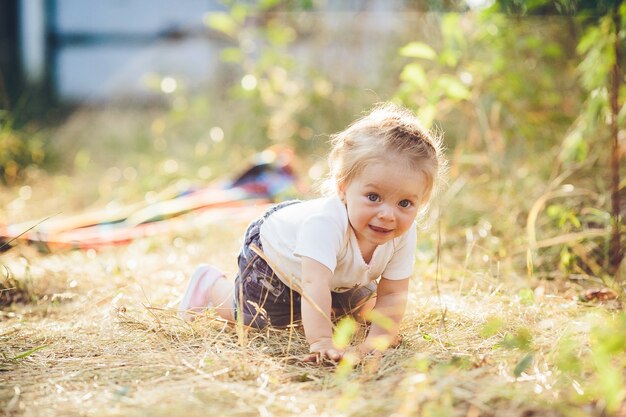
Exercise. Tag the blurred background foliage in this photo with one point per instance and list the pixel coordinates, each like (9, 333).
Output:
(529, 95)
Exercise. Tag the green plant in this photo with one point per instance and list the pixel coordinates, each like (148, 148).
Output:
(600, 74)
(19, 149)
(291, 98)
(13, 290)
(591, 368)
(536, 100)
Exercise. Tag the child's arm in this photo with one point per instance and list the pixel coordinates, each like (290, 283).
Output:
(391, 299)
(316, 308)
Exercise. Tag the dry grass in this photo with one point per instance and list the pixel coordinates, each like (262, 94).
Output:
(109, 345)
(95, 333)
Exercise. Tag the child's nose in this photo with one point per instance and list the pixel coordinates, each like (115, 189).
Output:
(386, 212)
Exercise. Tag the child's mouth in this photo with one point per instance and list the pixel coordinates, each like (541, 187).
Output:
(380, 229)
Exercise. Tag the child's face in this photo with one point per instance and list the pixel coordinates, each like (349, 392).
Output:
(383, 202)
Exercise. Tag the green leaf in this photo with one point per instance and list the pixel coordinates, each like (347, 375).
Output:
(492, 327)
(414, 74)
(28, 352)
(523, 364)
(231, 55)
(610, 382)
(221, 22)
(609, 336)
(527, 296)
(575, 147)
(453, 33)
(380, 319)
(426, 114)
(589, 39)
(280, 35)
(553, 50)
(345, 330)
(346, 365)
(453, 88)
(567, 355)
(268, 4)
(239, 12)
(418, 50)
(521, 340)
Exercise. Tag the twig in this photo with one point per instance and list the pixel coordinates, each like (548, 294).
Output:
(444, 309)
(26, 231)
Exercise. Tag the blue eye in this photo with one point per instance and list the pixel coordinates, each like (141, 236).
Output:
(405, 204)
(373, 197)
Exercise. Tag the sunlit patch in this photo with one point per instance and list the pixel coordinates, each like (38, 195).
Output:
(452, 303)
(316, 171)
(576, 385)
(172, 258)
(542, 379)
(168, 85)
(170, 166)
(131, 264)
(248, 82)
(466, 77)
(484, 228)
(26, 192)
(216, 134)
(479, 4)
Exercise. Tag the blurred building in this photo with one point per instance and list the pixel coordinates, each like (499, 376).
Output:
(94, 51)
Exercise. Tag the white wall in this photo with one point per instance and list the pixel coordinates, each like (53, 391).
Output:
(349, 41)
(32, 39)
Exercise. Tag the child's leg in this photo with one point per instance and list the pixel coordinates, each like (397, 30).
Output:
(221, 297)
(208, 287)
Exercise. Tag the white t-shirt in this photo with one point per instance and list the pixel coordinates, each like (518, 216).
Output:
(319, 229)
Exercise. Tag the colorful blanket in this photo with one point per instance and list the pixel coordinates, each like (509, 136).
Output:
(269, 176)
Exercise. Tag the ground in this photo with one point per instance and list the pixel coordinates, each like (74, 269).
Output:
(94, 332)
(109, 343)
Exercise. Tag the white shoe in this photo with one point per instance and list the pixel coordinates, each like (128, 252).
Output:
(197, 295)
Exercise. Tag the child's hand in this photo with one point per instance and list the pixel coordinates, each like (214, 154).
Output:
(361, 350)
(323, 350)
(374, 348)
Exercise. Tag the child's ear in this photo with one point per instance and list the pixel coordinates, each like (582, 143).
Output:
(341, 191)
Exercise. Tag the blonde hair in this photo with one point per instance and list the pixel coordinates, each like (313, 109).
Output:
(388, 133)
